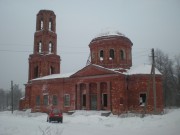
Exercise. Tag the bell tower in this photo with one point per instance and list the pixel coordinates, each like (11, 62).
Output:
(44, 60)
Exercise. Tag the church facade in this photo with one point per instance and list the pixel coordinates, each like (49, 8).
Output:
(108, 82)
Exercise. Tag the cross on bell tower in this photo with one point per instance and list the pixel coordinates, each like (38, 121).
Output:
(44, 60)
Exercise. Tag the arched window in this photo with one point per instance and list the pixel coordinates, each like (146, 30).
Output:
(40, 47)
(41, 24)
(122, 55)
(111, 54)
(36, 72)
(101, 54)
(50, 47)
(50, 24)
(51, 70)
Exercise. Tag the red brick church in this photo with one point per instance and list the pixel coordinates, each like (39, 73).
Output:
(108, 82)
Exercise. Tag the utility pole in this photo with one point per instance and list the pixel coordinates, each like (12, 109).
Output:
(154, 80)
(12, 97)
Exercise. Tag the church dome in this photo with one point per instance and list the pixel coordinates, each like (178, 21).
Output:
(111, 50)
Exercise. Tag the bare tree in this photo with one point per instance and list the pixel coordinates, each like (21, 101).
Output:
(166, 67)
(177, 76)
(2, 100)
(17, 94)
(5, 98)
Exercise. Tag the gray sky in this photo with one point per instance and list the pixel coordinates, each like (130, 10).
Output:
(147, 23)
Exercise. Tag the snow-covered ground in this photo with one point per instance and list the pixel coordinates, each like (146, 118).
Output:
(89, 123)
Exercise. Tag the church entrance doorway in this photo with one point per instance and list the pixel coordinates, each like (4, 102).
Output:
(93, 102)
(104, 100)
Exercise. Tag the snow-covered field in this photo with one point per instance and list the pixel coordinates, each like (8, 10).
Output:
(89, 123)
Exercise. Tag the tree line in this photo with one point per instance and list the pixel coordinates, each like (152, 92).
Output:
(6, 98)
(170, 69)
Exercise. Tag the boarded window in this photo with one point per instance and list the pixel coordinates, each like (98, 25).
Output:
(45, 100)
(142, 99)
(54, 100)
(38, 100)
(66, 100)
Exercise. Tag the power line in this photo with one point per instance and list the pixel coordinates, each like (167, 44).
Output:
(15, 44)
(32, 51)
(13, 51)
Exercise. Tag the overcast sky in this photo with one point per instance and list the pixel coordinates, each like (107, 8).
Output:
(147, 23)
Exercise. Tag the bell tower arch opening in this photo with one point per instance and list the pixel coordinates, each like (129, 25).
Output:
(50, 47)
(39, 47)
(41, 24)
(51, 70)
(50, 24)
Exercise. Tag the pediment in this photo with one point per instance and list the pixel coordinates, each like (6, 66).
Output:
(92, 70)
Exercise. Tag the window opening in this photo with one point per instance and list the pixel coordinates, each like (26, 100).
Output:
(101, 55)
(66, 100)
(50, 24)
(111, 54)
(142, 99)
(50, 47)
(38, 100)
(41, 24)
(45, 100)
(40, 47)
(54, 101)
(51, 70)
(122, 55)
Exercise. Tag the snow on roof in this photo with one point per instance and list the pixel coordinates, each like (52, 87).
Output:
(53, 76)
(113, 70)
(110, 33)
(142, 69)
(22, 98)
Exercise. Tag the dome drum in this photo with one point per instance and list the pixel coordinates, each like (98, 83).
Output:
(111, 51)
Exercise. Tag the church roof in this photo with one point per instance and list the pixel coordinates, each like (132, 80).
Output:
(141, 69)
(53, 76)
(110, 35)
